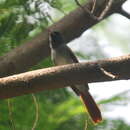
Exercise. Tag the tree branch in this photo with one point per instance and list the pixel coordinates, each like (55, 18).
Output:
(124, 13)
(20, 59)
(61, 76)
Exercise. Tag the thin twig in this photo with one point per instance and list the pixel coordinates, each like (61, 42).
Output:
(37, 111)
(124, 13)
(86, 125)
(10, 114)
(94, 6)
(86, 10)
(109, 74)
(107, 8)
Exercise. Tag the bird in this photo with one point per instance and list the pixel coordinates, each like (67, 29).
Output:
(61, 54)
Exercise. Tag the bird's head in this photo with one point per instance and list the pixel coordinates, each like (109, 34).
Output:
(56, 39)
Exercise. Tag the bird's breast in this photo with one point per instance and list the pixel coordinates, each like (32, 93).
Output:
(61, 57)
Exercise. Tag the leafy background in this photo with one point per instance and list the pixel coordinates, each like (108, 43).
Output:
(21, 20)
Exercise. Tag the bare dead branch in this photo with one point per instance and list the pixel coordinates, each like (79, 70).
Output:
(61, 76)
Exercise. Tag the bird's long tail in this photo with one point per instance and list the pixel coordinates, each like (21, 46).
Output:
(92, 107)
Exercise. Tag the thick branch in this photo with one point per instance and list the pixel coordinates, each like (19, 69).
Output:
(61, 76)
(30, 53)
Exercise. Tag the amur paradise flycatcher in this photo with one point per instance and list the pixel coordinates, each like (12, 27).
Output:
(61, 54)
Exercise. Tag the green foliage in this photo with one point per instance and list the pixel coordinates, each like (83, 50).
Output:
(43, 64)
(54, 111)
(123, 96)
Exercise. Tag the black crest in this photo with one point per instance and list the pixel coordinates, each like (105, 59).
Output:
(56, 39)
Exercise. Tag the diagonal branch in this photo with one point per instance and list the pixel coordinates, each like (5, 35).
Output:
(25, 56)
(61, 76)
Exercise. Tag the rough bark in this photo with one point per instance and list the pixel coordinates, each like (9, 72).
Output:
(22, 58)
(61, 76)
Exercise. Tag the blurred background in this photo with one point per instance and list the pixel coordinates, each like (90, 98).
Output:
(60, 109)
